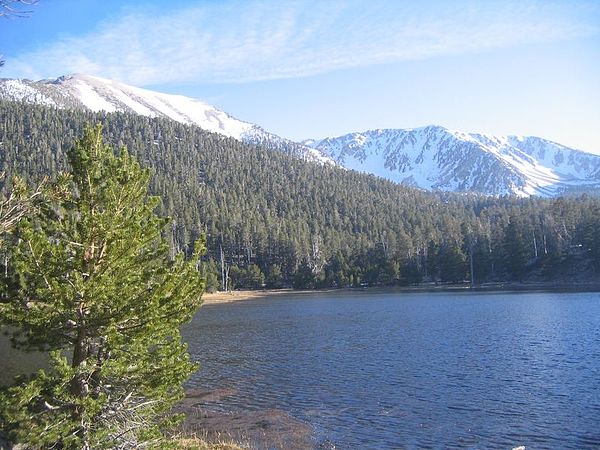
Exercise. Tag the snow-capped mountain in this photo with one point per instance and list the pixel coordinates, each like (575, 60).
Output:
(99, 94)
(434, 157)
(430, 157)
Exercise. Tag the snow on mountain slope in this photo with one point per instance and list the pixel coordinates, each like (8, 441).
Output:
(430, 157)
(98, 94)
(434, 157)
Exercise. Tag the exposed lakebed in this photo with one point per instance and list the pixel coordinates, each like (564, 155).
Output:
(401, 370)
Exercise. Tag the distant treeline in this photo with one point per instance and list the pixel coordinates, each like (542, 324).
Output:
(275, 220)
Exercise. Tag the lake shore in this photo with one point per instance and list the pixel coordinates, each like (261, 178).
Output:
(266, 428)
(220, 297)
(211, 298)
(330, 360)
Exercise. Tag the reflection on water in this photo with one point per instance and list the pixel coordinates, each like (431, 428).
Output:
(444, 370)
(15, 362)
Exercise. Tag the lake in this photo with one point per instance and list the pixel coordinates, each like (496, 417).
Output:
(373, 370)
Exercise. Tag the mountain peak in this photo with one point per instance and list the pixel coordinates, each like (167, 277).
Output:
(435, 157)
(82, 91)
(429, 157)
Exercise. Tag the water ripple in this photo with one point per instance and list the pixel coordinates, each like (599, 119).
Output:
(389, 371)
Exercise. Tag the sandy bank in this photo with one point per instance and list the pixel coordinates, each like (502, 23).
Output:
(234, 296)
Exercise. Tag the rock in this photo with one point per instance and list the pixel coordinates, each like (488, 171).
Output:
(263, 430)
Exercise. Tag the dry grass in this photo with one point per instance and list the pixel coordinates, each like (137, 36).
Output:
(201, 444)
(234, 296)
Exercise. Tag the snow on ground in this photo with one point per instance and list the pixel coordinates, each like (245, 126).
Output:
(177, 107)
(434, 157)
(19, 90)
(98, 94)
(430, 157)
(91, 99)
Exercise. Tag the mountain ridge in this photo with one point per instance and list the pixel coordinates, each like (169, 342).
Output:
(430, 157)
(99, 94)
(438, 158)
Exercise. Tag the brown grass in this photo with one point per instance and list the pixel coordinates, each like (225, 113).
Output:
(235, 296)
(193, 443)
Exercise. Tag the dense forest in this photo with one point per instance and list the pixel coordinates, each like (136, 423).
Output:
(272, 219)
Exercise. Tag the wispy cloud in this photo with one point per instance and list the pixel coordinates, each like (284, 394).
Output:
(259, 40)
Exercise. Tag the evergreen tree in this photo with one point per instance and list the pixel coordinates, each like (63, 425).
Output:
(258, 205)
(591, 236)
(210, 272)
(515, 246)
(304, 277)
(389, 272)
(253, 277)
(453, 264)
(91, 281)
(274, 278)
(16, 205)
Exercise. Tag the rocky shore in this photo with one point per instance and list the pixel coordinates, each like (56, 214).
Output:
(260, 430)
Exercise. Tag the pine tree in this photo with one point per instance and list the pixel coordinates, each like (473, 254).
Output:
(516, 248)
(91, 281)
(16, 205)
(452, 264)
(274, 278)
(257, 205)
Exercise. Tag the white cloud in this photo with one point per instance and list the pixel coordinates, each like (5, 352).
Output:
(247, 41)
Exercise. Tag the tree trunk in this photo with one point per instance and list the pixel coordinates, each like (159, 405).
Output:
(471, 265)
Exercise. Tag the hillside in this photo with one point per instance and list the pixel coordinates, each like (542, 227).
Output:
(96, 94)
(437, 158)
(280, 220)
(432, 157)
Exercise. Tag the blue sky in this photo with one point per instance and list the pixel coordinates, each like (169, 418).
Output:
(307, 69)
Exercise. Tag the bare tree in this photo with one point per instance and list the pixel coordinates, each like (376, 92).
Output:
(19, 202)
(15, 8)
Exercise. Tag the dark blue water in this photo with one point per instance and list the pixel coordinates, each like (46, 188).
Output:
(395, 370)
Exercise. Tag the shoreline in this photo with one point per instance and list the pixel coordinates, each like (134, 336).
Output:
(221, 297)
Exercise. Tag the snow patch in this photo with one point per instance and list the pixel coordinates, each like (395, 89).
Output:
(98, 94)
(19, 90)
(434, 157)
(92, 100)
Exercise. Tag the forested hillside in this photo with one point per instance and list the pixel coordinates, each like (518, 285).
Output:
(271, 218)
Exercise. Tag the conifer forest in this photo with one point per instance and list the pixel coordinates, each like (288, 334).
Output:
(271, 219)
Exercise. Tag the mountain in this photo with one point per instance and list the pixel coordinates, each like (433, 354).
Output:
(431, 157)
(98, 94)
(435, 157)
(314, 225)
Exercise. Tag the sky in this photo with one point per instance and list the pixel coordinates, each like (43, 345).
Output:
(312, 69)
